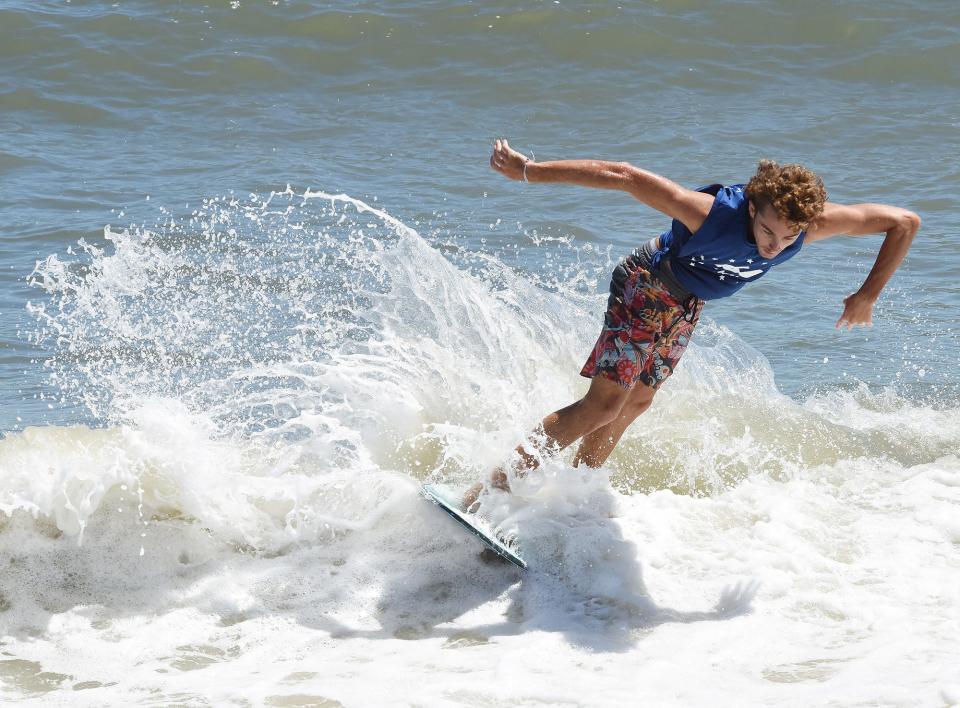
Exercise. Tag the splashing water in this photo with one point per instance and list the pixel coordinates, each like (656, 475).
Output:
(271, 378)
(280, 367)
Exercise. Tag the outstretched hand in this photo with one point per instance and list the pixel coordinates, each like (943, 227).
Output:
(507, 161)
(857, 310)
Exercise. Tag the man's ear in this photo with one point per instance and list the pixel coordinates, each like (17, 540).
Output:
(751, 208)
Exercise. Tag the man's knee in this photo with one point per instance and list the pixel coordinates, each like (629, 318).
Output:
(641, 398)
(601, 411)
(635, 408)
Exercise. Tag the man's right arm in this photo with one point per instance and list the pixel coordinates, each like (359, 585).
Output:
(686, 205)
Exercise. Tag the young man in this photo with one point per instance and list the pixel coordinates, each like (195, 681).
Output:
(721, 239)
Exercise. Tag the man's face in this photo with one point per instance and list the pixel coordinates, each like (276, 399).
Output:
(771, 233)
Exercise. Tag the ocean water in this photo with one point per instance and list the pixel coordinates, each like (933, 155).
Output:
(259, 282)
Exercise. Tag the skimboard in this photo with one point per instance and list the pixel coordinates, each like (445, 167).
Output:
(470, 523)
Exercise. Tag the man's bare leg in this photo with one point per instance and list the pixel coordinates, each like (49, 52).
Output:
(599, 407)
(596, 447)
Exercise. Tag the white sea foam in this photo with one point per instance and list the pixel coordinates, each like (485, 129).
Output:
(246, 526)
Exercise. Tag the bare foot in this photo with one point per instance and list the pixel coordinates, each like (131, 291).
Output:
(498, 480)
(470, 497)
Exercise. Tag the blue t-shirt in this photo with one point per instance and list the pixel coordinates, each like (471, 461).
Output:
(721, 257)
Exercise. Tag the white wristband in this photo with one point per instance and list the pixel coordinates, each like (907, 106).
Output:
(526, 162)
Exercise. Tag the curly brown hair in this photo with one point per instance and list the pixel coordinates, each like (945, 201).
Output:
(795, 193)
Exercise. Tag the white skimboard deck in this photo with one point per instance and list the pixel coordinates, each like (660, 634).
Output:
(473, 524)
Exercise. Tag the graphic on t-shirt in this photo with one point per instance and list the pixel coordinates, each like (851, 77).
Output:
(739, 271)
(744, 272)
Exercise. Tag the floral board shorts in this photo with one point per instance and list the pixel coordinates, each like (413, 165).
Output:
(645, 329)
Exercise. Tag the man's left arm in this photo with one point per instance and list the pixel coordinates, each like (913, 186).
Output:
(899, 225)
